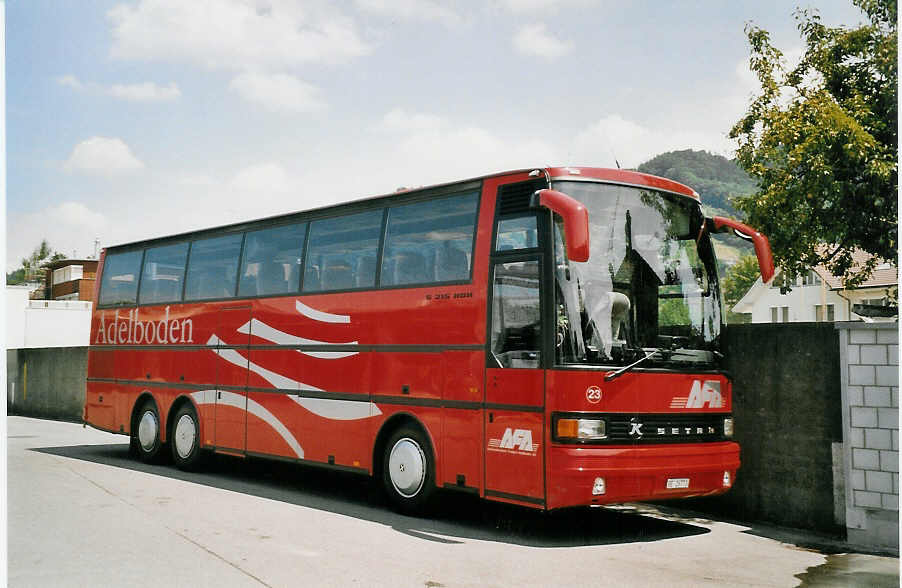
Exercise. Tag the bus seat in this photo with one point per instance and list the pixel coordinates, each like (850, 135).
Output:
(451, 264)
(312, 281)
(337, 276)
(271, 278)
(620, 310)
(365, 271)
(410, 269)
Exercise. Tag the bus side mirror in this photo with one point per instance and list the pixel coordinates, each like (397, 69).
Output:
(576, 220)
(720, 224)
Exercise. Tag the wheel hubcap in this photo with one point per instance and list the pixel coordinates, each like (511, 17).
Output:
(407, 467)
(148, 429)
(185, 435)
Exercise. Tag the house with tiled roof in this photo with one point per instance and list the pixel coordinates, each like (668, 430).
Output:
(817, 295)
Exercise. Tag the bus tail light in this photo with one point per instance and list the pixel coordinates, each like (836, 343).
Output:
(727, 479)
(568, 428)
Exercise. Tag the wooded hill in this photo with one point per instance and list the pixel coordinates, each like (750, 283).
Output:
(714, 177)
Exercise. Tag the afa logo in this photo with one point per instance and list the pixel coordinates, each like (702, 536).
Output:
(701, 395)
(515, 441)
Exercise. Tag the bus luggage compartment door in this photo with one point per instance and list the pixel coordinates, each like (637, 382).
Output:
(231, 379)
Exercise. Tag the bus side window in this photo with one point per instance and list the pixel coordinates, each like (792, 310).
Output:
(271, 262)
(516, 318)
(516, 233)
(213, 268)
(337, 249)
(164, 270)
(119, 284)
(430, 241)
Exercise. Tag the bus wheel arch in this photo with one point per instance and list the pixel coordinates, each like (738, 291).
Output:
(145, 431)
(404, 463)
(184, 430)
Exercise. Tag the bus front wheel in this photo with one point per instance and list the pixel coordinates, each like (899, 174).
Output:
(408, 471)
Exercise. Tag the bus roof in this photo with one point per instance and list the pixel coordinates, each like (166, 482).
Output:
(616, 176)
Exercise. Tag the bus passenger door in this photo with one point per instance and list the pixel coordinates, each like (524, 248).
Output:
(230, 429)
(515, 383)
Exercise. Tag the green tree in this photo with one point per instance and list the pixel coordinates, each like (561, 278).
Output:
(32, 266)
(735, 283)
(822, 141)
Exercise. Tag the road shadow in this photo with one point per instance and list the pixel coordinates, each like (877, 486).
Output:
(456, 516)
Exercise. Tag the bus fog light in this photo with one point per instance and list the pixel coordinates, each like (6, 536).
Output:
(726, 479)
(598, 487)
(728, 427)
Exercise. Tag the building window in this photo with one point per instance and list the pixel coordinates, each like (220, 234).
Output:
(810, 278)
(819, 313)
(779, 314)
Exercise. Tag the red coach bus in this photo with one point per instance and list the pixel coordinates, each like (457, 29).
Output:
(546, 337)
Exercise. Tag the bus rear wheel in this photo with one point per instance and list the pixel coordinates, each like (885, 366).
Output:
(185, 439)
(145, 440)
(408, 471)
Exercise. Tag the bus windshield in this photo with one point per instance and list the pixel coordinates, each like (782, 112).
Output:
(649, 287)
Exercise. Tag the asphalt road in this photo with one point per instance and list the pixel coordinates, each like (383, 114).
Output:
(82, 513)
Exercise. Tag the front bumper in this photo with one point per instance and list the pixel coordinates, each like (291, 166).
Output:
(638, 473)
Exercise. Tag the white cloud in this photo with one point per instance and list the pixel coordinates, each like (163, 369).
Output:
(103, 156)
(536, 6)
(69, 227)
(278, 92)
(424, 10)
(631, 143)
(71, 81)
(142, 92)
(262, 178)
(234, 34)
(535, 40)
(399, 121)
(146, 92)
(426, 149)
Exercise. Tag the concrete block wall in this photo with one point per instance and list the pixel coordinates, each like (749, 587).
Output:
(869, 355)
(47, 383)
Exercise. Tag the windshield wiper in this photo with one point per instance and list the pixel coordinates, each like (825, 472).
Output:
(614, 375)
(666, 354)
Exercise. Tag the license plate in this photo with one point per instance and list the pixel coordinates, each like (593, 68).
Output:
(677, 483)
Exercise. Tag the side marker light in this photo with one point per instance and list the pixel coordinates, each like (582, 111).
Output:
(598, 487)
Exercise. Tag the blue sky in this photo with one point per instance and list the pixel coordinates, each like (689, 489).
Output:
(134, 119)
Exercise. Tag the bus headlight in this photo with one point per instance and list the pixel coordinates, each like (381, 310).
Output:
(576, 429)
(728, 427)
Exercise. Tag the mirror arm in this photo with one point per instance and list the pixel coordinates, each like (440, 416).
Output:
(576, 220)
(720, 224)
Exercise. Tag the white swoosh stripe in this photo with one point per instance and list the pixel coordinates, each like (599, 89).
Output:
(343, 410)
(256, 409)
(260, 329)
(339, 410)
(279, 381)
(318, 315)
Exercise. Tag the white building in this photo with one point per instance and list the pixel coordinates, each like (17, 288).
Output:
(45, 323)
(818, 296)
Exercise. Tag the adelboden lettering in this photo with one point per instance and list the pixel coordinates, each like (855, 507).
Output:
(121, 331)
